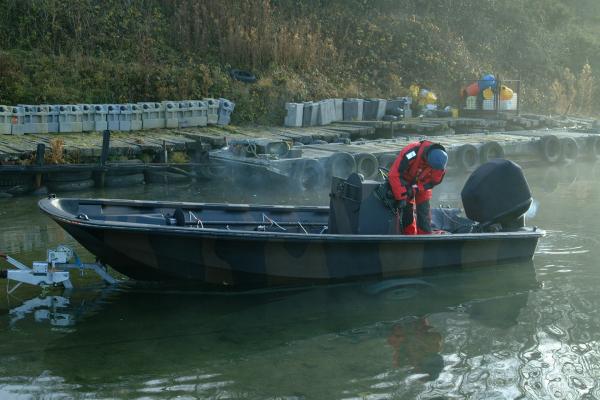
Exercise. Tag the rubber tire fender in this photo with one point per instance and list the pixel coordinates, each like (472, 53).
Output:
(165, 177)
(386, 160)
(340, 164)
(366, 164)
(68, 176)
(592, 146)
(490, 151)
(15, 179)
(550, 149)
(123, 180)
(467, 157)
(242, 76)
(569, 149)
(308, 174)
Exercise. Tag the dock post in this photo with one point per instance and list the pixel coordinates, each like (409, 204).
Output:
(39, 161)
(104, 155)
(165, 159)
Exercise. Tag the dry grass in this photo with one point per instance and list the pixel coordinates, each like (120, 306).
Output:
(178, 157)
(574, 94)
(56, 153)
(250, 33)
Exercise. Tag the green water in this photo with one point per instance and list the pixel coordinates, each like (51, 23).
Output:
(517, 331)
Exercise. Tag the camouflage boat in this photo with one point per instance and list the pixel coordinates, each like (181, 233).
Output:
(250, 246)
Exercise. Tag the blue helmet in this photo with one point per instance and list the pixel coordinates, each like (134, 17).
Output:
(437, 158)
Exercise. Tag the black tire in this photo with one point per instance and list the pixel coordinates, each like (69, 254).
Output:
(123, 180)
(386, 160)
(15, 179)
(166, 177)
(592, 147)
(213, 171)
(366, 165)
(550, 149)
(242, 76)
(134, 166)
(490, 151)
(68, 176)
(308, 174)
(340, 164)
(569, 149)
(74, 186)
(467, 157)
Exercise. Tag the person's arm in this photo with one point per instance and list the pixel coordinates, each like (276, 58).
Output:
(398, 185)
(430, 179)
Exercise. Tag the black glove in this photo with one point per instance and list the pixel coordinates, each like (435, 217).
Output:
(400, 204)
(409, 191)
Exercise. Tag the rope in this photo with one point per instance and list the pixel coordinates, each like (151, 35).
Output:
(264, 216)
(199, 222)
(302, 228)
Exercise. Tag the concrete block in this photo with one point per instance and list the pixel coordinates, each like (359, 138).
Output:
(100, 117)
(171, 114)
(124, 117)
(183, 114)
(69, 118)
(136, 117)
(306, 113)
(201, 113)
(190, 114)
(17, 121)
(153, 115)
(53, 117)
(339, 109)
(326, 112)
(373, 109)
(212, 112)
(5, 120)
(36, 118)
(112, 117)
(294, 114)
(226, 108)
(87, 118)
(353, 109)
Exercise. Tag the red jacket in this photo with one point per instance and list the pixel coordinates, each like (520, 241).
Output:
(410, 169)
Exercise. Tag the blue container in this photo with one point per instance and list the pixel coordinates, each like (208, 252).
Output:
(488, 81)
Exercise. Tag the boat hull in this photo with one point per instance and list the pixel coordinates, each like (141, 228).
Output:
(255, 260)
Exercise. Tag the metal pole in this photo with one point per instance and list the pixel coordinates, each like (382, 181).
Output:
(39, 161)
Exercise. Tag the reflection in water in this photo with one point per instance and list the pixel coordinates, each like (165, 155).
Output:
(417, 344)
(163, 341)
(529, 331)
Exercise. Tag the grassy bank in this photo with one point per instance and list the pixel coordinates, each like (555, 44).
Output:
(111, 51)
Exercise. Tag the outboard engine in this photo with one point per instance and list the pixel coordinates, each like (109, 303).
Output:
(497, 196)
(355, 208)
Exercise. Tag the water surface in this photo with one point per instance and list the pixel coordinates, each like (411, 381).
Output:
(524, 330)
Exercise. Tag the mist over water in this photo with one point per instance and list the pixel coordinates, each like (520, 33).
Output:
(527, 330)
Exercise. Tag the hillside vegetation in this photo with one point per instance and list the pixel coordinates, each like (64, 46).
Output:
(92, 51)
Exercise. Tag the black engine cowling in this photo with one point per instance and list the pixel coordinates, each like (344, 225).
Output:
(497, 193)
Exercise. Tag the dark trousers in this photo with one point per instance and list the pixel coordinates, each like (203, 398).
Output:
(423, 220)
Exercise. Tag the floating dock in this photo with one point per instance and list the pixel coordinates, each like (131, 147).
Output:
(305, 156)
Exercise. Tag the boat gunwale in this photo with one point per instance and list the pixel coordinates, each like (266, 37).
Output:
(47, 206)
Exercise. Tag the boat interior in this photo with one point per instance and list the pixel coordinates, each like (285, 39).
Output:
(290, 219)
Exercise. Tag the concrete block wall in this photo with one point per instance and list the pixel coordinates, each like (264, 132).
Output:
(63, 118)
(324, 112)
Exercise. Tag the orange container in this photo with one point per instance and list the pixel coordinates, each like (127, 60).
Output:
(472, 89)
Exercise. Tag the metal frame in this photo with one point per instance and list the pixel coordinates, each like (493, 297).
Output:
(52, 272)
(479, 112)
